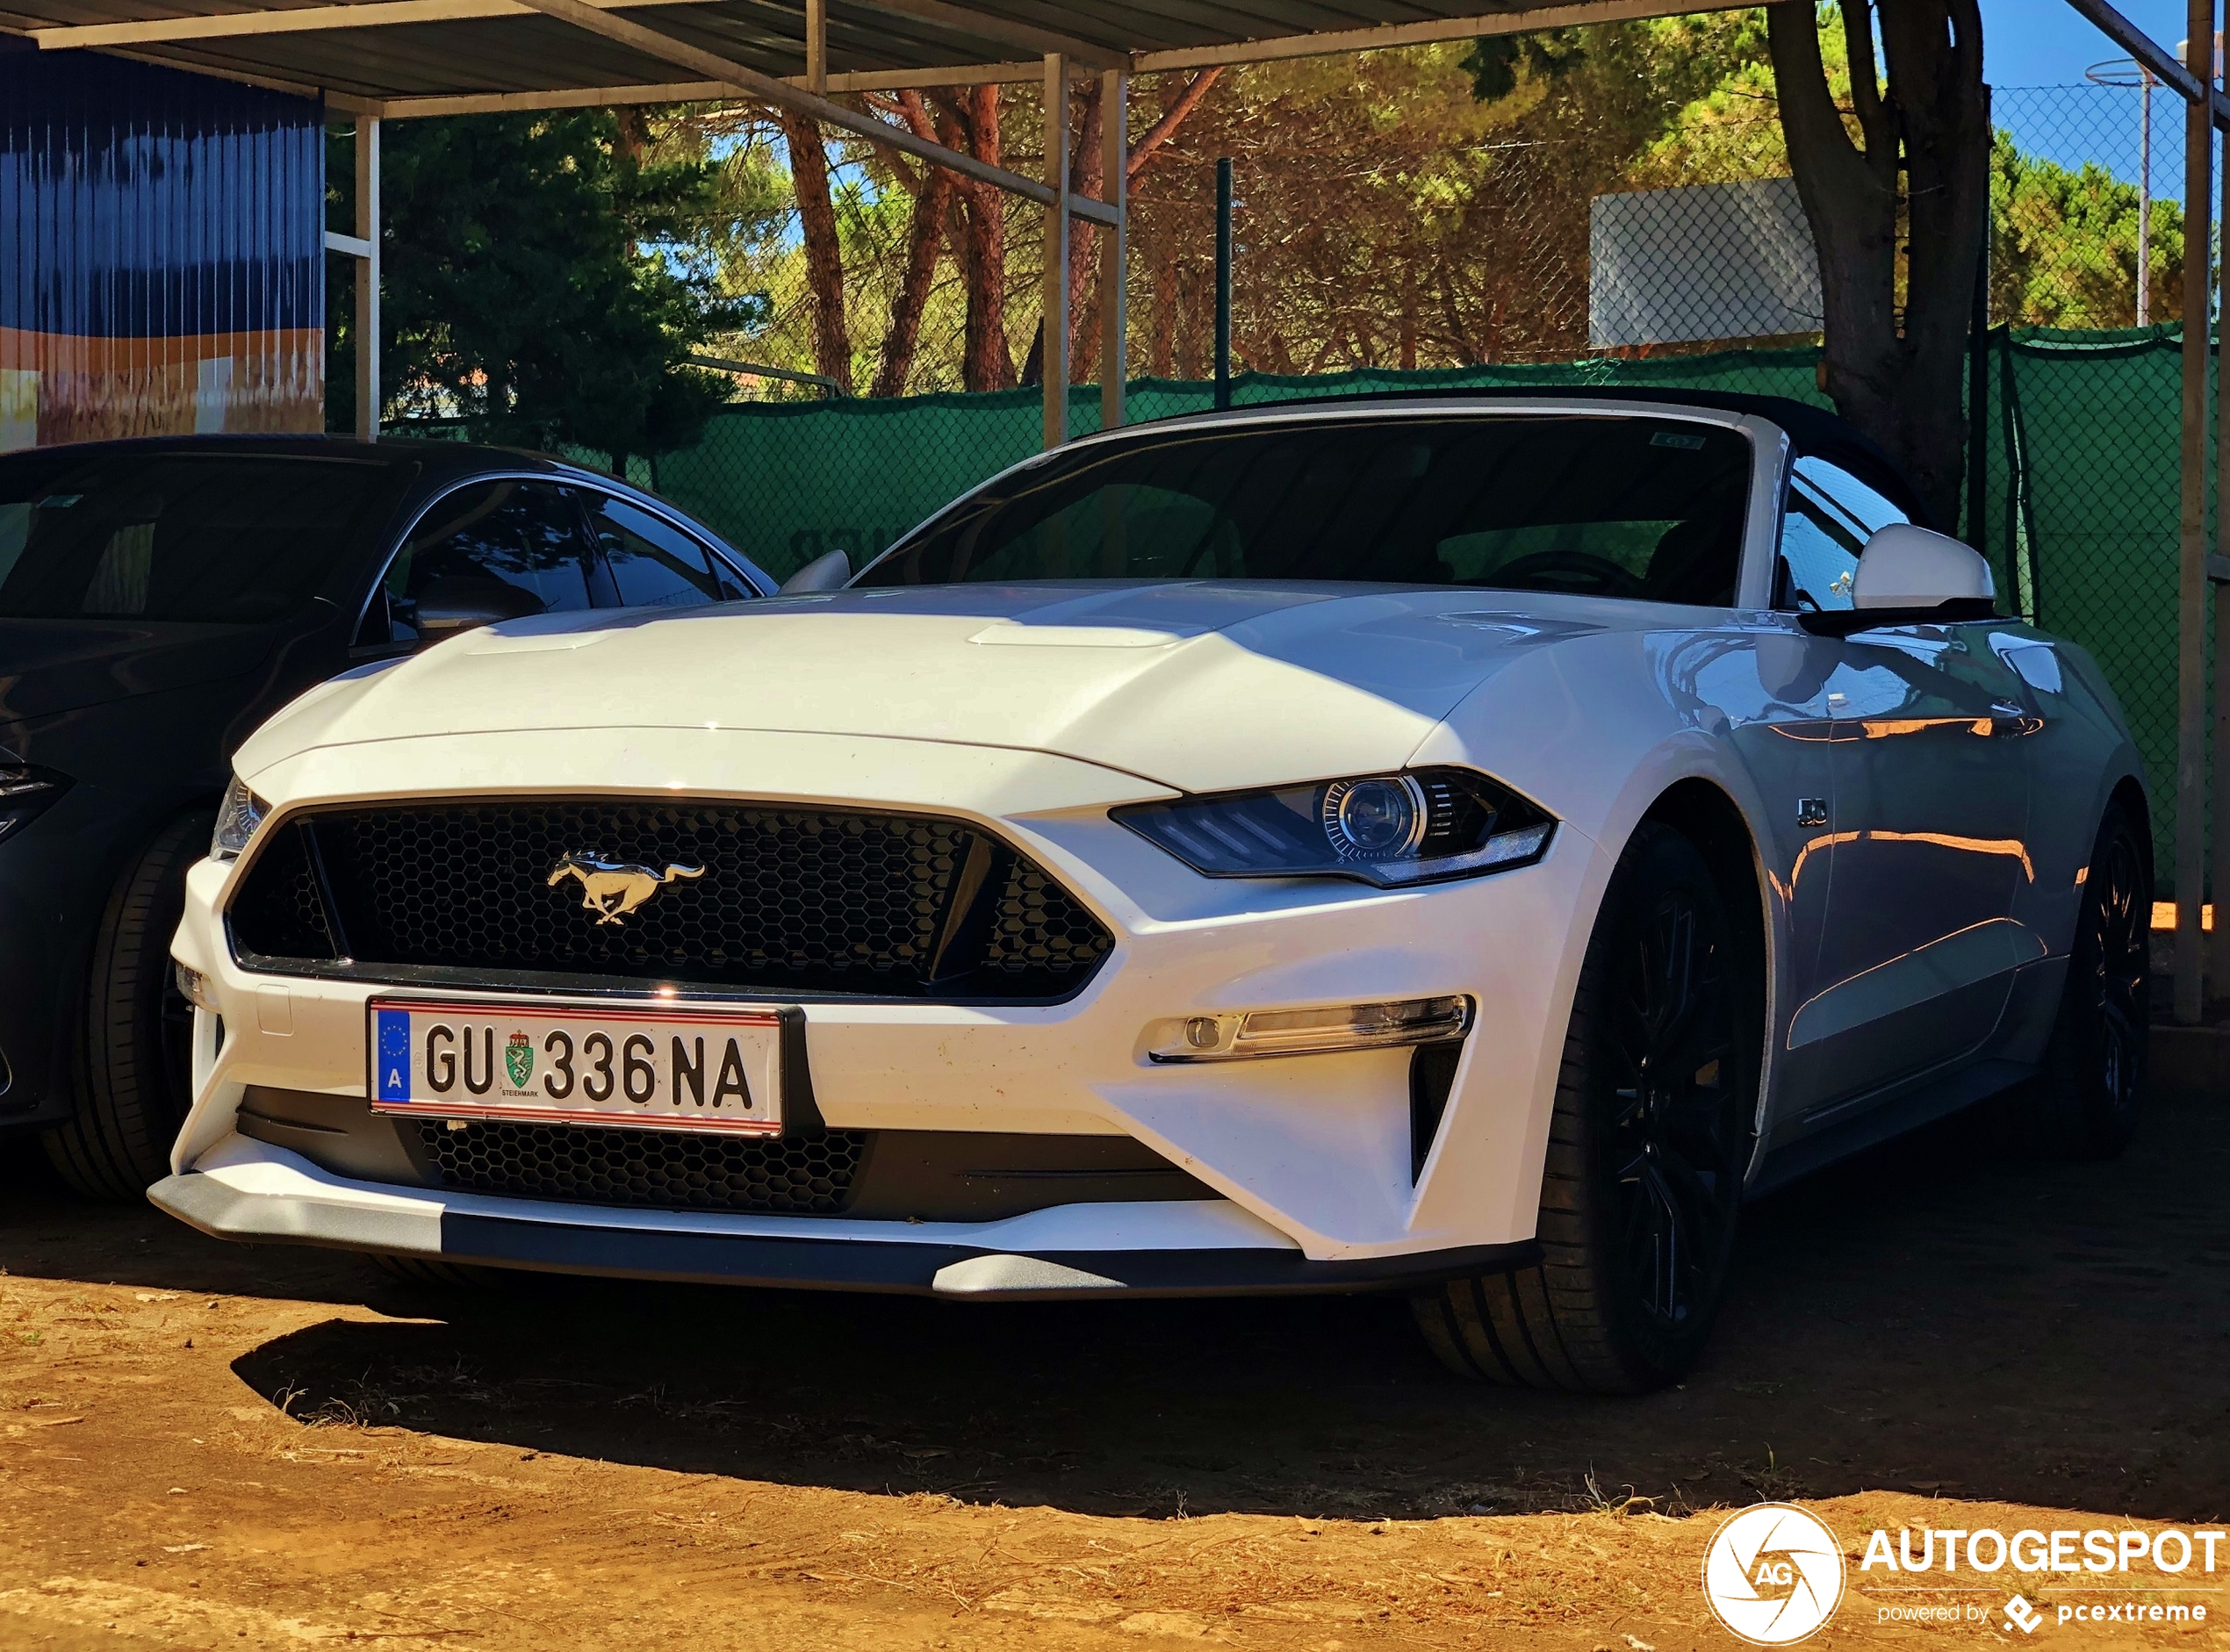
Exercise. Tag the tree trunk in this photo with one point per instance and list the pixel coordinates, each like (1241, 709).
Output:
(925, 234)
(981, 248)
(924, 237)
(1897, 378)
(823, 256)
(1087, 171)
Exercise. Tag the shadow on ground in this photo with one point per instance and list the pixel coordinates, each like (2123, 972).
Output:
(1938, 1315)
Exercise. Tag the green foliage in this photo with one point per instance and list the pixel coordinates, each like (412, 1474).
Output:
(546, 281)
(1496, 61)
(2063, 248)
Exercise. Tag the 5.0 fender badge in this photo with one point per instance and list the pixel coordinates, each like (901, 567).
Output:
(613, 889)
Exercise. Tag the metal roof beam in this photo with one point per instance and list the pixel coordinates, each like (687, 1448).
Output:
(1002, 31)
(750, 82)
(695, 92)
(2164, 64)
(1386, 35)
(367, 14)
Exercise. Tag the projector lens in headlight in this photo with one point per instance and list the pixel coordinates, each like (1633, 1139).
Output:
(1382, 829)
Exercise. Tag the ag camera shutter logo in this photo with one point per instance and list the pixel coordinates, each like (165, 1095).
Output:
(1773, 1574)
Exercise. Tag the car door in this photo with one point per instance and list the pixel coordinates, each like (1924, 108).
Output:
(507, 546)
(652, 562)
(1929, 820)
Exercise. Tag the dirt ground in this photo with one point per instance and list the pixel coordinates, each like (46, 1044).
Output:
(205, 1445)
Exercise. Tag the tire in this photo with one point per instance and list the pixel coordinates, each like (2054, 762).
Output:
(2085, 1103)
(1650, 1136)
(135, 1060)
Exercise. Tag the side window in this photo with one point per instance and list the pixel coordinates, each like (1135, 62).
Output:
(654, 564)
(1854, 498)
(506, 549)
(1819, 554)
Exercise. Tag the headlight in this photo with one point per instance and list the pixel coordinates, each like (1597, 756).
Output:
(1382, 829)
(237, 819)
(25, 794)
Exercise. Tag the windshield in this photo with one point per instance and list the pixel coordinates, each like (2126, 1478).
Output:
(1619, 507)
(175, 535)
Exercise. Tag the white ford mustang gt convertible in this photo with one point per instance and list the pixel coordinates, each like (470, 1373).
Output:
(1459, 846)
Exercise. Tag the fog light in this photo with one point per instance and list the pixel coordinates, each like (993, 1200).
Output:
(1264, 1032)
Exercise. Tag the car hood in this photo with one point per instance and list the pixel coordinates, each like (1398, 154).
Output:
(48, 666)
(1196, 685)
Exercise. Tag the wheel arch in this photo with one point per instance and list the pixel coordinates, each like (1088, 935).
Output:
(1708, 817)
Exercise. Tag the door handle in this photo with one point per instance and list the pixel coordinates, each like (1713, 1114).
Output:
(2006, 718)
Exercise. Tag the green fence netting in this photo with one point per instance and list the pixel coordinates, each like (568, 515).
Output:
(2077, 450)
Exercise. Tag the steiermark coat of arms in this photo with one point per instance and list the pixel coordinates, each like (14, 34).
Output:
(519, 1059)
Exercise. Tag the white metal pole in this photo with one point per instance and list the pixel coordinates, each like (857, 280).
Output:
(1054, 344)
(368, 278)
(1114, 245)
(2145, 199)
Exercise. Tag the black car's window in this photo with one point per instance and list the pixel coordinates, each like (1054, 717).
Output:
(1644, 507)
(654, 564)
(508, 548)
(1830, 516)
(177, 536)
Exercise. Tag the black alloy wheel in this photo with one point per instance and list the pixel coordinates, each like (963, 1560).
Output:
(1651, 1137)
(1675, 1140)
(2085, 1102)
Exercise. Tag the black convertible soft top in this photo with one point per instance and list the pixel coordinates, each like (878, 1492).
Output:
(1814, 430)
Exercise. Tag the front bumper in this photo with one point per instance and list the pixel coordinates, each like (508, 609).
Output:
(1317, 1151)
(253, 1191)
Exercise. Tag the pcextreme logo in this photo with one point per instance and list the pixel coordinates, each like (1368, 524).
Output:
(1773, 1574)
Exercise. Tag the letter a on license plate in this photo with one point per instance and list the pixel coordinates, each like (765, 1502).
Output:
(543, 1063)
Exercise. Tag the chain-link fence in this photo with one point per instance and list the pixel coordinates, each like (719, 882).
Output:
(1542, 260)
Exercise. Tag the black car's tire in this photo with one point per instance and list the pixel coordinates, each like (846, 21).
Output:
(1650, 1136)
(135, 1034)
(2085, 1102)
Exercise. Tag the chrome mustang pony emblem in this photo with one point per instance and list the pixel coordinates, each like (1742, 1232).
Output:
(613, 889)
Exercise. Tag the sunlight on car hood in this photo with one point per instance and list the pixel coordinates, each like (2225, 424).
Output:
(1196, 685)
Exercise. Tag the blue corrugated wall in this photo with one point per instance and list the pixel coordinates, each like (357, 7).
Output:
(162, 243)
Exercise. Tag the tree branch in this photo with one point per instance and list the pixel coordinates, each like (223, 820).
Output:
(1162, 130)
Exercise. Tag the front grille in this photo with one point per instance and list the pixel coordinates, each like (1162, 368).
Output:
(790, 902)
(660, 1169)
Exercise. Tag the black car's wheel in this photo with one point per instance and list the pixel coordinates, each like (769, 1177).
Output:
(2085, 1102)
(1651, 1135)
(135, 1035)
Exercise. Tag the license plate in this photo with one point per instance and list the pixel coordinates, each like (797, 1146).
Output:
(558, 1064)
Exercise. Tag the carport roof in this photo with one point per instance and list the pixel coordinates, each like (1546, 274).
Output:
(422, 57)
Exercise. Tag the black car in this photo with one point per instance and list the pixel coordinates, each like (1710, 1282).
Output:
(160, 599)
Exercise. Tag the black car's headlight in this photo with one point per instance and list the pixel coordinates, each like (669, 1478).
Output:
(237, 818)
(1383, 829)
(26, 793)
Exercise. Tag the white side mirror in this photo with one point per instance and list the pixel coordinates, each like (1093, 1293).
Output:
(830, 572)
(1914, 569)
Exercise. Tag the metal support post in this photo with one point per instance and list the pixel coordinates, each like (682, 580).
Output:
(2191, 572)
(367, 321)
(1054, 345)
(1223, 283)
(1978, 397)
(2217, 970)
(816, 48)
(1114, 245)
